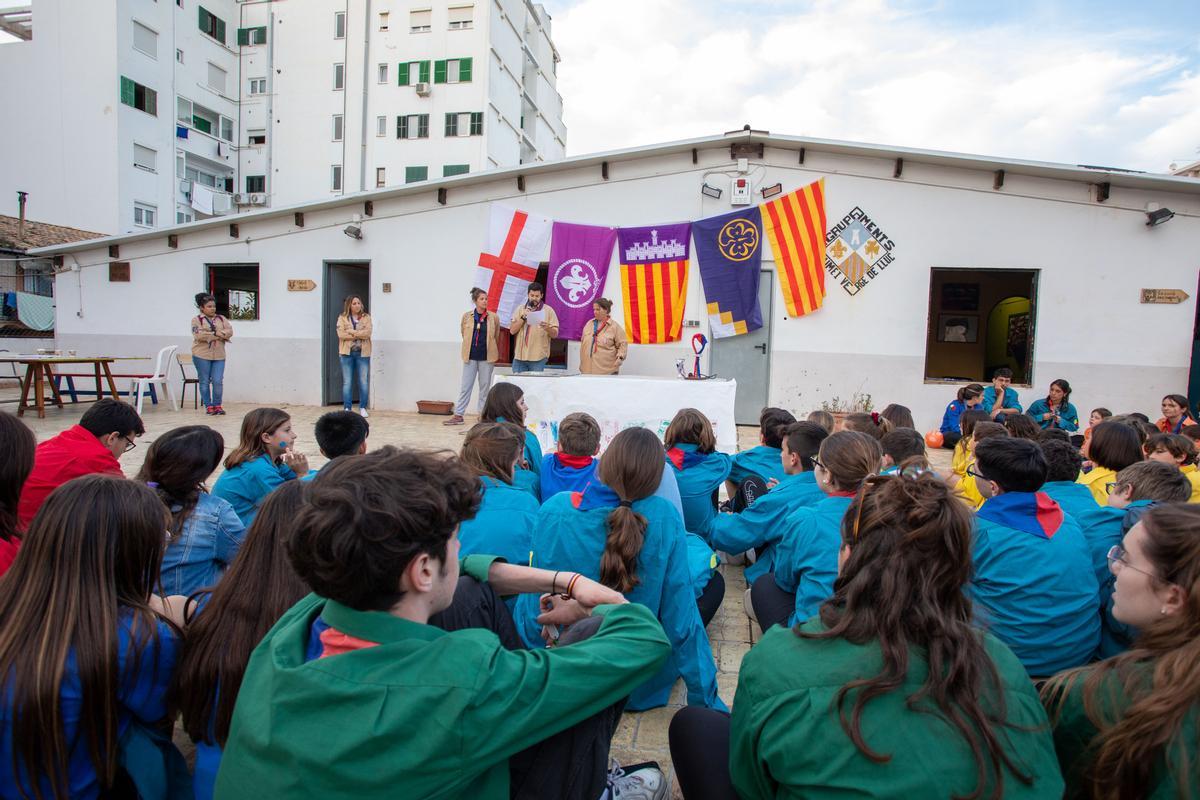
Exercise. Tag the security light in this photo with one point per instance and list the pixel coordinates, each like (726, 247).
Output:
(710, 191)
(1158, 216)
(353, 231)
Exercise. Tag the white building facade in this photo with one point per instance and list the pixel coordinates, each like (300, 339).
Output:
(203, 108)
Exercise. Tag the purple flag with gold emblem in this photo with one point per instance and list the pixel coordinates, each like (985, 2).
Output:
(579, 256)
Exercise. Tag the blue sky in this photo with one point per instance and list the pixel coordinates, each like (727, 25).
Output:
(1098, 82)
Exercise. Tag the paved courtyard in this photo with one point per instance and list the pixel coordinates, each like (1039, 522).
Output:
(641, 736)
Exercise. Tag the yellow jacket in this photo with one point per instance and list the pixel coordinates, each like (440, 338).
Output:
(1097, 481)
(968, 488)
(347, 334)
(1193, 475)
(493, 330)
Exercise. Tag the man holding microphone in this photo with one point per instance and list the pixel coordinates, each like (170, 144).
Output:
(532, 328)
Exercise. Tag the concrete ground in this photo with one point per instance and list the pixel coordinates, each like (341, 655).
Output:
(641, 736)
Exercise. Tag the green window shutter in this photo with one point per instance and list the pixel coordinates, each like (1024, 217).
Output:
(261, 37)
(201, 124)
(204, 16)
(455, 169)
(220, 37)
(452, 125)
(126, 91)
(477, 123)
(422, 126)
(439, 72)
(424, 71)
(243, 36)
(402, 72)
(464, 70)
(414, 174)
(151, 102)
(401, 127)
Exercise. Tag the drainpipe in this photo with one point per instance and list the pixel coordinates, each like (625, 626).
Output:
(21, 220)
(363, 185)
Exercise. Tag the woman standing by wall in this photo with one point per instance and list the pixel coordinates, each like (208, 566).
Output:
(210, 332)
(354, 351)
(480, 349)
(602, 347)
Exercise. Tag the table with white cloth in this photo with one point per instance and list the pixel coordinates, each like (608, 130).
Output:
(623, 401)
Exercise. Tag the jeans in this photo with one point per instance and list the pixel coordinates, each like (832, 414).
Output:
(519, 366)
(351, 365)
(472, 370)
(210, 371)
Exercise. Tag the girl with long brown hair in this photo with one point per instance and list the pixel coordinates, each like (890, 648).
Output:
(18, 445)
(618, 533)
(504, 523)
(699, 467)
(83, 653)
(1127, 726)
(354, 353)
(263, 460)
(227, 623)
(891, 691)
(506, 403)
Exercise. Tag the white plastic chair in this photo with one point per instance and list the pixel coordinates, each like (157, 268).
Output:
(162, 363)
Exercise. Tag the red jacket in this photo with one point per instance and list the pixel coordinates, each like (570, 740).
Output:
(72, 453)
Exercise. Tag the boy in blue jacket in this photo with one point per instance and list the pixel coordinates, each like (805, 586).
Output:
(1000, 399)
(762, 463)
(1033, 579)
(573, 466)
(339, 433)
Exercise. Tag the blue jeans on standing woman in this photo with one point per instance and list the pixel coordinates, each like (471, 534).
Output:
(210, 372)
(355, 364)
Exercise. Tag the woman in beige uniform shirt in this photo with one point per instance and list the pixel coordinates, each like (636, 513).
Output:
(354, 351)
(602, 347)
(210, 333)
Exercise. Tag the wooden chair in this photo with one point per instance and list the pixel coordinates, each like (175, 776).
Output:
(185, 360)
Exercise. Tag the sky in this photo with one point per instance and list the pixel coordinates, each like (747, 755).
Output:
(1099, 82)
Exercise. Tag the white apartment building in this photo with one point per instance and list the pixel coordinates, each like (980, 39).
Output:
(192, 109)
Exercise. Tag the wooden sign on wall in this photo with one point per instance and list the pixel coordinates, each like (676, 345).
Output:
(118, 271)
(304, 285)
(1164, 296)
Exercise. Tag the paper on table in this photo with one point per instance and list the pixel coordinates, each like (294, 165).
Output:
(535, 317)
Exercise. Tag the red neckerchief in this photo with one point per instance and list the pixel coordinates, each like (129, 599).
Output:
(574, 462)
(842, 494)
(478, 319)
(597, 329)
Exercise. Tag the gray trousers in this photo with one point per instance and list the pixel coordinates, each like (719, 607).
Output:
(471, 369)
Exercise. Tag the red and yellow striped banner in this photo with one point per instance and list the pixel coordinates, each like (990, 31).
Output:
(654, 298)
(795, 226)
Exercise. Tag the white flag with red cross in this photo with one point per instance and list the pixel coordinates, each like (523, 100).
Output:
(516, 244)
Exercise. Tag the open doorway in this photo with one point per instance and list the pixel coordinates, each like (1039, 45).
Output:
(504, 340)
(342, 279)
(980, 320)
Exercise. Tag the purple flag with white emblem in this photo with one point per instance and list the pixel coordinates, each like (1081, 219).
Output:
(579, 256)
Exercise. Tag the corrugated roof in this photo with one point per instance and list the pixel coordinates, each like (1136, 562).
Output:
(38, 234)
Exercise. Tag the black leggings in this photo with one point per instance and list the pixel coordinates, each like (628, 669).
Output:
(700, 752)
(772, 605)
(950, 439)
(710, 599)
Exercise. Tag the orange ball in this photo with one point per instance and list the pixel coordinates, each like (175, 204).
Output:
(934, 439)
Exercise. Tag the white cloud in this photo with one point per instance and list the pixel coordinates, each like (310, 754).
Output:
(642, 72)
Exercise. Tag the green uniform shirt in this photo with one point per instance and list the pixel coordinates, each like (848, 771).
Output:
(425, 713)
(787, 741)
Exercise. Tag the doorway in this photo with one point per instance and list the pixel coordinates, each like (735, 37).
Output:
(342, 278)
(747, 358)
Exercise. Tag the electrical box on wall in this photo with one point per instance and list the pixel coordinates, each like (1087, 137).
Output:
(739, 194)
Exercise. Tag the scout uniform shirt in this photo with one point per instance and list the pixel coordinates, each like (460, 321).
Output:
(807, 554)
(532, 342)
(209, 335)
(503, 525)
(602, 347)
(698, 476)
(247, 485)
(759, 461)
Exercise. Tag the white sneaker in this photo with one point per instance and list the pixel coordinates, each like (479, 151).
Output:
(364, 413)
(637, 782)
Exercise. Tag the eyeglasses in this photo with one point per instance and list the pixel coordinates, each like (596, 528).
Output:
(974, 473)
(1118, 555)
(1108, 488)
(129, 444)
(816, 463)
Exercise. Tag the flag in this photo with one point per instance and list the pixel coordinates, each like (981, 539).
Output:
(654, 271)
(729, 252)
(509, 263)
(795, 226)
(579, 258)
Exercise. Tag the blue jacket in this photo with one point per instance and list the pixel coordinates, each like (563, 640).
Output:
(1115, 636)
(142, 686)
(503, 525)
(1034, 583)
(570, 535)
(1011, 400)
(557, 477)
(806, 559)
(1068, 417)
(206, 545)
(702, 563)
(698, 476)
(246, 486)
(951, 419)
(763, 461)
(761, 525)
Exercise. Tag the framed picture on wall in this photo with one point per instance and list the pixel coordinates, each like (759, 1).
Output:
(961, 328)
(960, 297)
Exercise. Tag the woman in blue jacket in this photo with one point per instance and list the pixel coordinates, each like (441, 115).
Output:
(504, 523)
(969, 396)
(618, 533)
(1056, 411)
(263, 460)
(506, 403)
(699, 469)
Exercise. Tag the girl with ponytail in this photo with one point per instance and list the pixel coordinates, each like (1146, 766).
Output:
(504, 523)
(616, 531)
(1127, 727)
(205, 532)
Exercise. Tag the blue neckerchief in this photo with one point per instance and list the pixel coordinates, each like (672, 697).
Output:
(684, 455)
(597, 495)
(1030, 512)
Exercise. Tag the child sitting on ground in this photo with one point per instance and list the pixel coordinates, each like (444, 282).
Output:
(264, 458)
(573, 466)
(699, 469)
(1022, 426)
(507, 514)
(983, 431)
(872, 424)
(969, 397)
(760, 463)
(824, 419)
(1179, 451)
(962, 450)
(898, 446)
(1000, 399)
(339, 433)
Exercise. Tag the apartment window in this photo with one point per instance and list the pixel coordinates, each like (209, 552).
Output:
(420, 21)
(337, 127)
(235, 288)
(183, 110)
(226, 129)
(335, 183)
(249, 36)
(145, 158)
(455, 169)
(258, 86)
(182, 217)
(464, 124)
(414, 174)
(144, 215)
(178, 55)
(411, 72)
(339, 25)
(460, 17)
(140, 97)
(380, 177)
(381, 126)
(383, 73)
(145, 40)
(339, 76)
(216, 78)
(413, 126)
(256, 183)
(477, 123)
(212, 25)
(383, 20)
(256, 137)
(454, 70)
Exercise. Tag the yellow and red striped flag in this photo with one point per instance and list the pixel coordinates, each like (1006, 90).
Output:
(795, 226)
(654, 274)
